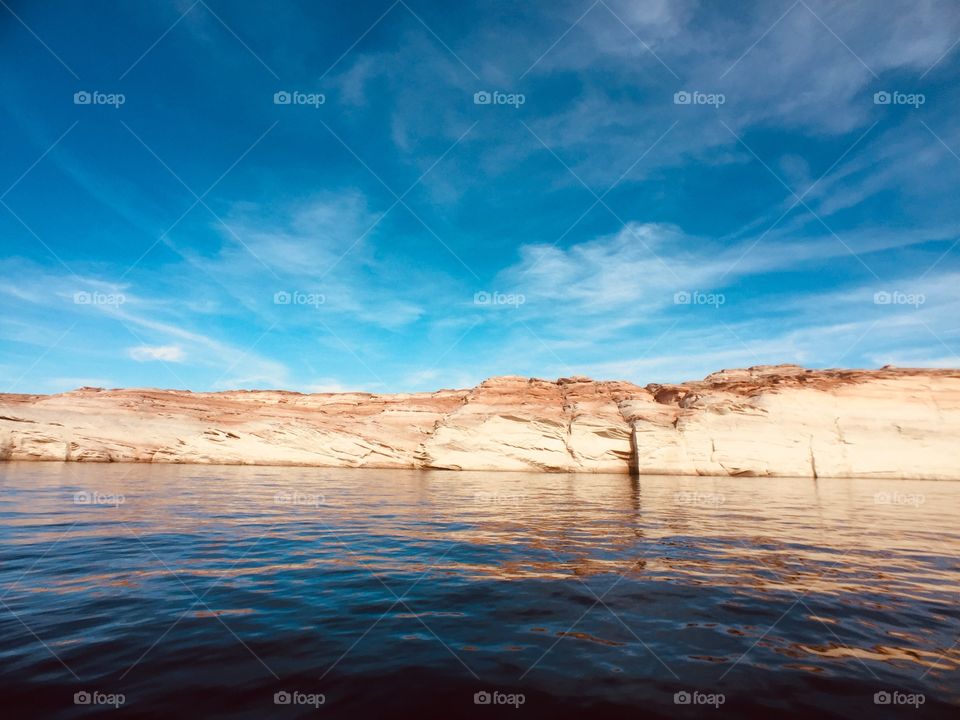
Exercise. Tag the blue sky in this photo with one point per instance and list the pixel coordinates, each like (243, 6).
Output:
(655, 190)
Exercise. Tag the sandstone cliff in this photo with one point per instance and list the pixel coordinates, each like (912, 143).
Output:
(769, 420)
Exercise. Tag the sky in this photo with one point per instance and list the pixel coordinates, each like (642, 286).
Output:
(399, 196)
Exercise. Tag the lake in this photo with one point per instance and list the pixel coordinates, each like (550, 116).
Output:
(203, 591)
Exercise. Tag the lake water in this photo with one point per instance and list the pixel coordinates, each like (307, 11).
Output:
(185, 591)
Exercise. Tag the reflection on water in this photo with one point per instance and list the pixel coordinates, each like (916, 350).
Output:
(210, 589)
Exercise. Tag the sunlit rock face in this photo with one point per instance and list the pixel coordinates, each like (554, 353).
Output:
(771, 420)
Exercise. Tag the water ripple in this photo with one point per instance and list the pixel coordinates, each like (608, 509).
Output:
(211, 589)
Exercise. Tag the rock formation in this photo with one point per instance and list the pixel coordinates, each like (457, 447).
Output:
(770, 420)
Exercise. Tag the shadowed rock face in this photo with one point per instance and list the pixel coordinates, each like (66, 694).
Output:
(768, 420)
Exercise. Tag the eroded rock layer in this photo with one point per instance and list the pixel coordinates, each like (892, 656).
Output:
(770, 420)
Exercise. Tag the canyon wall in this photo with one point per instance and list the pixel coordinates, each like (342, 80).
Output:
(771, 420)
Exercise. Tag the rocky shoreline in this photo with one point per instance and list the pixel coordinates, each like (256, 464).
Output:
(779, 420)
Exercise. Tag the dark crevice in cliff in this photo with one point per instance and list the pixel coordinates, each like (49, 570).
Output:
(569, 414)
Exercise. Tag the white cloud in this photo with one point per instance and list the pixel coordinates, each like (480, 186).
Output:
(165, 353)
(325, 245)
(327, 385)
